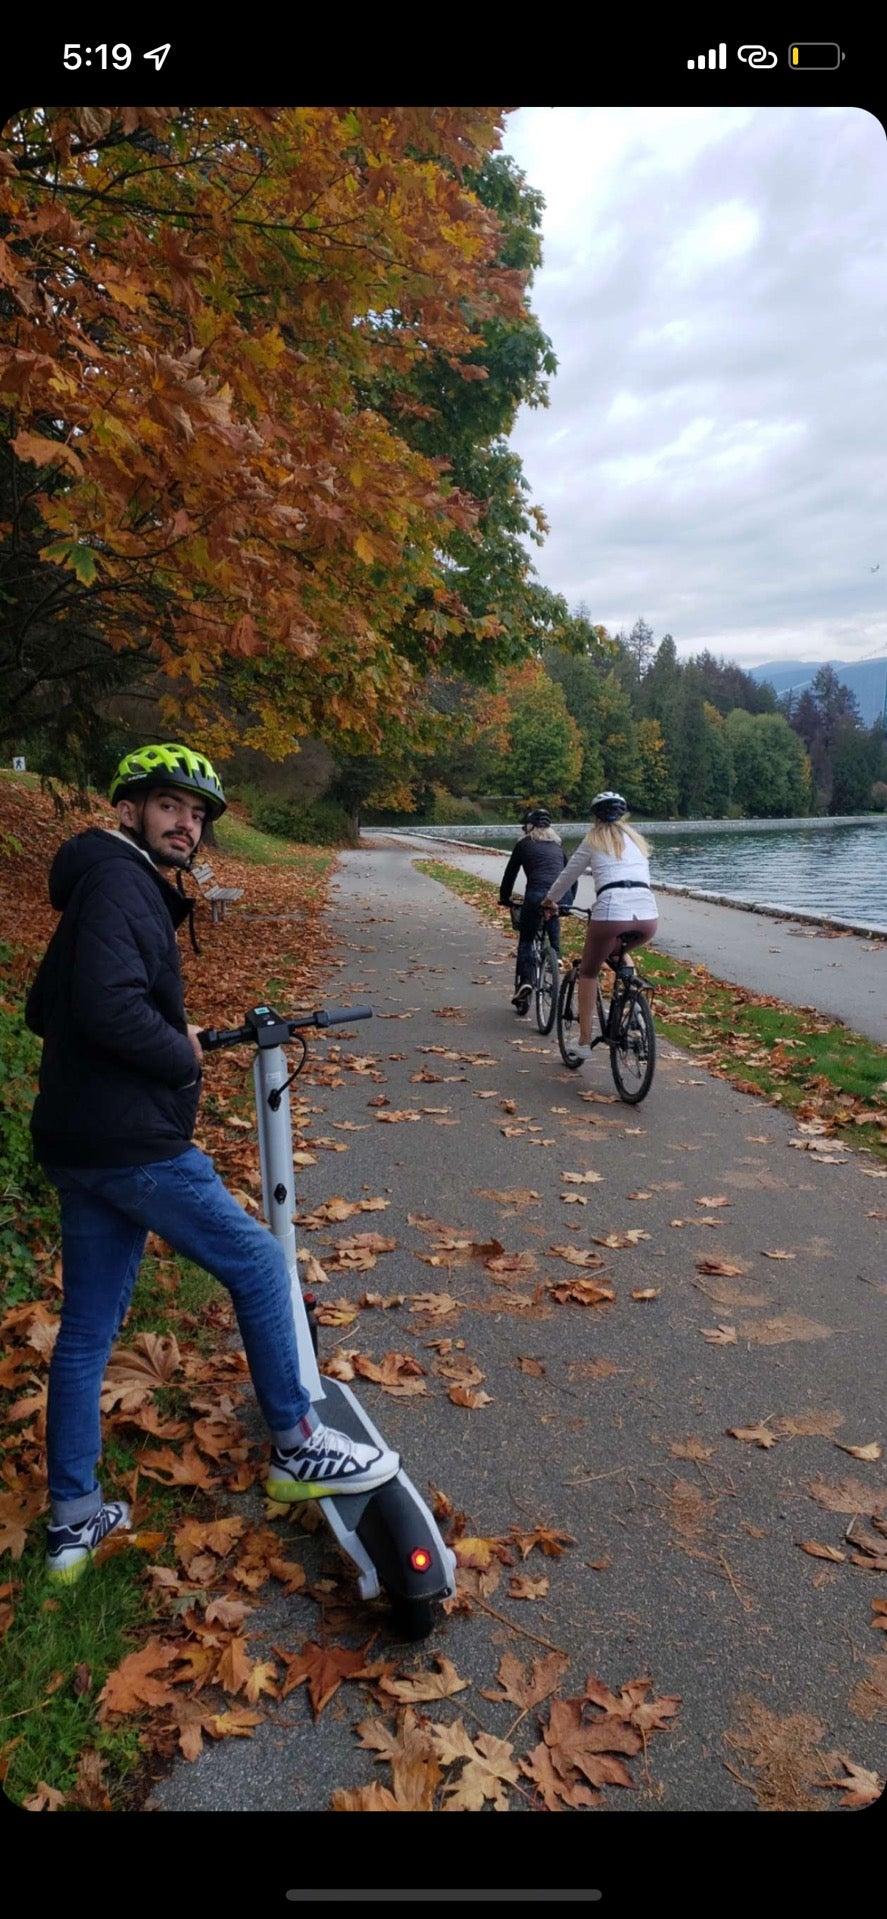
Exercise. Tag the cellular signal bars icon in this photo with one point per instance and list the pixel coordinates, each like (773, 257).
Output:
(712, 59)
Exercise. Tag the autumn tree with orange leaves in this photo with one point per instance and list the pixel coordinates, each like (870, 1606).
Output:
(233, 343)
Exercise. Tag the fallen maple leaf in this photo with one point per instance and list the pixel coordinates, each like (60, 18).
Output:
(426, 1685)
(263, 1678)
(490, 1767)
(237, 1724)
(590, 1748)
(477, 1552)
(463, 1396)
(227, 1612)
(578, 1256)
(870, 1452)
(521, 1586)
(583, 1292)
(234, 1667)
(816, 1551)
(437, 1305)
(526, 1686)
(630, 1237)
(632, 1704)
(724, 1268)
(862, 1787)
(719, 1335)
(758, 1435)
(132, 1684)
(549, 1540)
(16, 1515)
(45, 1799)
(215, 1535)
(777, 1253)
(646, 1292)
(582, 1179)
(415, 1768)
(322, 1668)
(90, 1791)
(397, 1373)
(879, 1612)
(172, 1469)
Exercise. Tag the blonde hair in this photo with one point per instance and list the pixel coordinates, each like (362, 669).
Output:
(608, 836)
(543, 833)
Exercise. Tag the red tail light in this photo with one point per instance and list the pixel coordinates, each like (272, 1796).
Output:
(420, 1559)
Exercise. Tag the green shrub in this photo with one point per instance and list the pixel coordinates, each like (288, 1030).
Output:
(25, 1195)
(311, 822)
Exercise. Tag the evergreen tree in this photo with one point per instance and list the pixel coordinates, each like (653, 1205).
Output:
(718, 789)
(654, 795)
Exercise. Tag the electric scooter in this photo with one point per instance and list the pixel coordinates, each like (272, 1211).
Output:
(389, 1535)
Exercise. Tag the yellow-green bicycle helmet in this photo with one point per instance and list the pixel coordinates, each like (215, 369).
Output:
(168, 765)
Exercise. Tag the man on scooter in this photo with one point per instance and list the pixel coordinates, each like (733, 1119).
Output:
(112, 1126)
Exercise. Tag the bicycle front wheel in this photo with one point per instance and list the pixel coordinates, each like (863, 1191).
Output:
(568, 1021)
(546, 990)
(633, 1050)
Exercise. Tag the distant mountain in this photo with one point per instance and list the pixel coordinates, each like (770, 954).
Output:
(865, 678)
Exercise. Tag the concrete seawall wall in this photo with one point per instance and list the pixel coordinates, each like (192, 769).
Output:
(826, 920)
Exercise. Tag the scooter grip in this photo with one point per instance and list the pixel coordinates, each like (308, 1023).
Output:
(343, 1016)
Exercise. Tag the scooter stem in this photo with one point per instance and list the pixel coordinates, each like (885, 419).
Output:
(270, 1073)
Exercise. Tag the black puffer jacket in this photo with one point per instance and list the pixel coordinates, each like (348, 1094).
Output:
(119, 1083)
(542, 861)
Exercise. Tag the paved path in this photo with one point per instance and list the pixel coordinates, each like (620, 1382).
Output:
(685, 1564)
(839, 974)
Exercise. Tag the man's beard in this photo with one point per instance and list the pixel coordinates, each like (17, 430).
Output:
(168, 855)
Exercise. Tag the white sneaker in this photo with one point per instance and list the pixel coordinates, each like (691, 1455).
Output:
(69, 1549)
(582, 1052)
(328, 1463)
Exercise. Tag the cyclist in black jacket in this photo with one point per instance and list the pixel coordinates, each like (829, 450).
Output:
(541, 857)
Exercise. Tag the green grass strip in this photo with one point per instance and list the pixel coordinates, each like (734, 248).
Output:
(757, 1043)
(245, 842)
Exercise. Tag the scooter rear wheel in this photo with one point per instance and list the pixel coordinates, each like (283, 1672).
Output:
(413, 1618)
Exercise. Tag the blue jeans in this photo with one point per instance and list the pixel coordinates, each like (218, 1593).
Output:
(106, 1217)
(529, 920)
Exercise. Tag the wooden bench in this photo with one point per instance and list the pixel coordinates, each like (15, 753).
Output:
(218, 896)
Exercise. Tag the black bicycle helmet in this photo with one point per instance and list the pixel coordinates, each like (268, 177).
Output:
(609, 806)
(537, 816)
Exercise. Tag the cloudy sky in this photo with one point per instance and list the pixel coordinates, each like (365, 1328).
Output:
(714, 454)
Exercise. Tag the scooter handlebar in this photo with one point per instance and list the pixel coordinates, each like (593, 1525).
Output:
(335, 1016)
(212, 1037)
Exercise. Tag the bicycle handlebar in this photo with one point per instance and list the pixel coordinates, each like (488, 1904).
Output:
(212, 1038)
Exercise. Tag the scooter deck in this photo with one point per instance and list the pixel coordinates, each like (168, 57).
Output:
(340, 1410)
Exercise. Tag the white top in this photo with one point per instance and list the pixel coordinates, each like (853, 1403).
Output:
(635, 903)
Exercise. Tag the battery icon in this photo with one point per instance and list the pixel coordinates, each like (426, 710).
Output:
(814, 55)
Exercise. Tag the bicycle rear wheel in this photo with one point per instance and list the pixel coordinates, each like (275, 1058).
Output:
(568, 1021)
(546, 990)
(633, 1050)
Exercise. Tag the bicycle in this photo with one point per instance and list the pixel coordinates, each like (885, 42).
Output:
(545, 977)
(625, 1025)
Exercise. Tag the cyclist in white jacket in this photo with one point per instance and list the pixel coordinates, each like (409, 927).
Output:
(617, 857)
